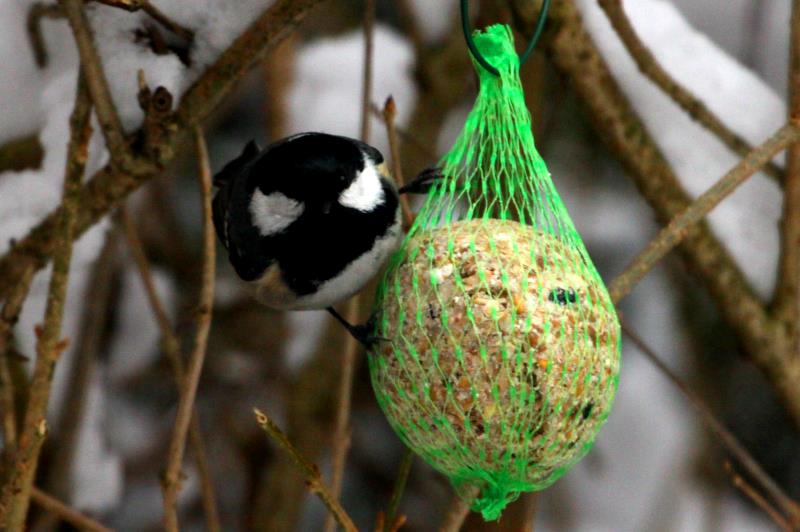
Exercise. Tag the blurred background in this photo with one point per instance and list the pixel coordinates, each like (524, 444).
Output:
(654, 466)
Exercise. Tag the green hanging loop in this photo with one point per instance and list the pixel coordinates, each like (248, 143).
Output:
(477, 54)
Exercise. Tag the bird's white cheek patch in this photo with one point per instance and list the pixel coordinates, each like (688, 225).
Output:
(365, 192)
(272, 213)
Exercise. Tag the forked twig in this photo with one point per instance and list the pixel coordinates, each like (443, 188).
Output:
(750, 492)
(188, 390)
(69, 515)
(680, 225)
(309, 471)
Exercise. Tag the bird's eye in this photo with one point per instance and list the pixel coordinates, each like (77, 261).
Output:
(563, 296)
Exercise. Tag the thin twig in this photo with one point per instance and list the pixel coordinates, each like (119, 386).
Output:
(404, 135)
(366, 82)
(680, 225)
(457, 513)
(95, 317)
(155, 13)
(16, 493)
(98, 84)
(787, 293)
(309, 470)
(749, 491)
(8, 318)
(341, 438)
(397, 491)
(389, 117)
(171, 480)
(159, 16)
(37, 12)
(721, 432)
(67, 514)
(172, 348)
(693, 106)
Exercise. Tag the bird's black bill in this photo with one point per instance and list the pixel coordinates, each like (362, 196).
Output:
(423, 183)
(362, 333)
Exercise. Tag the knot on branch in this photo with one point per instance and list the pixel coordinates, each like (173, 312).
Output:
(159, 125)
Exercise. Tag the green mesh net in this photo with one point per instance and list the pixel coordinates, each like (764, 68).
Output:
(503, 348)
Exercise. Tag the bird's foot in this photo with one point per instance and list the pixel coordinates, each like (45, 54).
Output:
(423, 182)
(362, 333)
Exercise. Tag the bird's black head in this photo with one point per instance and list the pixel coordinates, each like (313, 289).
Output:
(313, 167)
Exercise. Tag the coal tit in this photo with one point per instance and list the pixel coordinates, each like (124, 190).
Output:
(309, 219)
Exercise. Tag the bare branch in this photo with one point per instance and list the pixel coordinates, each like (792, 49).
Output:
(720, 431)
(111, 185)
(16, 493)
(171, 481)
(749, 491)
(21, 154)
(787, 293)
(37, 12)
(309, 470)
(389, 117)
(8, 318)
(679, 227)
(70, 515)
(98, 84)
(397, 491)
(172, 348)
(694, 107)
(457, 512)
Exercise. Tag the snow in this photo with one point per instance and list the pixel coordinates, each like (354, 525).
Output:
(326, 95)
(436, 19)
(747, 221)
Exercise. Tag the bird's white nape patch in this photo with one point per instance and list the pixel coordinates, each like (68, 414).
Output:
(365, 192)
(272, 213)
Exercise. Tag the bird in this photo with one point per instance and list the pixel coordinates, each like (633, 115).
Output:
(310, 219)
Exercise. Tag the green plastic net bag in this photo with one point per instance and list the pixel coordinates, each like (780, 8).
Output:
(503, 348)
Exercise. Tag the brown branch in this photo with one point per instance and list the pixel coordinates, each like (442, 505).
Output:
(341, 438)
(37, 12)
(67, 514)
(98, 299)
(342, 432)
(787, 293)
(110, 185)
(171, 480)
(404, 135)
(21, 154)
(16, 493)
(98, 84)
(720, 431)
(389, 117)
(680, 225)
(172, 348)
(694, 107)
(749, 491)
(457, 513)
(155, 13)
(310, 471)
(366, 82)
(8, 318)
(397, 491)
